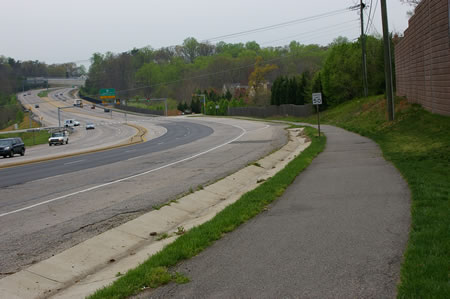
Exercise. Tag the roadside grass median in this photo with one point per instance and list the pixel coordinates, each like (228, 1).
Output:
(43, 94)
(155, 271)
(40, 137)
(418, 144)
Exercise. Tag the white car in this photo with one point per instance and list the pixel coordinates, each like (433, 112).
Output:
(59, 138)
(71, 123)
(90, 126)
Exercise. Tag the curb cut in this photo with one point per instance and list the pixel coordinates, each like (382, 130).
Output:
(92, 264)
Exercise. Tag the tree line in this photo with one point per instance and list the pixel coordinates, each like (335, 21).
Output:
(176, 72)
(294, 71)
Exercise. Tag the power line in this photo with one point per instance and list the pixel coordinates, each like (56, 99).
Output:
(334, 27)
(208, 74)
(368, 18)
(261, 29)
(372, 18)
(279, 25)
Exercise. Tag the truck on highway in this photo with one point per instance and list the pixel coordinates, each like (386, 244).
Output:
(78, 103)
(71, 123)
(59, 138)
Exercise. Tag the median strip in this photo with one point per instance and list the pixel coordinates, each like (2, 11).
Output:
(94, 263)
(137, 138)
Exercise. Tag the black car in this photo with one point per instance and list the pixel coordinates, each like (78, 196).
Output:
(11, 146)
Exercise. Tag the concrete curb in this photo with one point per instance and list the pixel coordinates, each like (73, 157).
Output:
(94, 263)
(137, 138)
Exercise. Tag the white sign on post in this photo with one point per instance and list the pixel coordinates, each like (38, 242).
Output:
(317, 98)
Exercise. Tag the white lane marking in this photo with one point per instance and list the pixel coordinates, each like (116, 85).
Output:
(129, 151)
(73, 162)
(244, 131)
(159, 143)
(134, 158)
(47, 178)
(259, 129)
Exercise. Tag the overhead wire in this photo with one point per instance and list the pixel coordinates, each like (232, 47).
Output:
(371, 19)
(279, 25)
(241, 33)
(334, 27)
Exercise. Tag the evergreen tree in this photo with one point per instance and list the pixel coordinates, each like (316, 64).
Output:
(292, 89)
(300, 93)
(228, 95)
(283, 90)
(274, 92)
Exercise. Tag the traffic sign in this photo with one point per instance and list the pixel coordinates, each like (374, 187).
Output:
(317, 98)
(107, 93)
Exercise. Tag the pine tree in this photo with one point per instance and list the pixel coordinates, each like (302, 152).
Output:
(292, 89)
(283, 91)
(300, 93)
(274, 92)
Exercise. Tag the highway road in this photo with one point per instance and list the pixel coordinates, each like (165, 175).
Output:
(50, 206)
(109, 131)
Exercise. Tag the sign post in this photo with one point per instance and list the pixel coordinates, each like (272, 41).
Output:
(317, 100)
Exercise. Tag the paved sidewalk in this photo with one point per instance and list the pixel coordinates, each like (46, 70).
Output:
(339, 231)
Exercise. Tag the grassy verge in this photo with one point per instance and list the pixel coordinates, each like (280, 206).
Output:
(24, 124)
(194, 241)
(40, 137)
(43, 94)
(418, 144)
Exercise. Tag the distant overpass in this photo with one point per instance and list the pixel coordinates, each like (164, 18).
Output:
(79, 81)
(67, 81)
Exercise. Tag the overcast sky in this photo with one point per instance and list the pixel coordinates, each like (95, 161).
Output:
(57, 31)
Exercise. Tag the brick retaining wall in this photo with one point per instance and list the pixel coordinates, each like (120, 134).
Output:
(422, 57)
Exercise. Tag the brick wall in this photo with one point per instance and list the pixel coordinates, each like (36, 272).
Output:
(422, 57)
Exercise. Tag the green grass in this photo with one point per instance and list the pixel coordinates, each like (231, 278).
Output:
(43, 94)
(197, 239)
(40, 137)
(418, 144)
(153, 105)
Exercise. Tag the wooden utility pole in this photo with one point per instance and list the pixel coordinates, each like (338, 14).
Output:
(387, 62)
(363, 48)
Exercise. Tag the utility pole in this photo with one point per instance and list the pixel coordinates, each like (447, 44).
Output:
(363, 48)
(387, 62)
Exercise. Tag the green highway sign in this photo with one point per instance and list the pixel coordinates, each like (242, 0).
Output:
(107, 93)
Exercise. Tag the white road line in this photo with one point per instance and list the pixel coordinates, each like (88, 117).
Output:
(129, 151)
(134, 158)
(244, 131)
(159, 143)
(47, 178)
(73, 162)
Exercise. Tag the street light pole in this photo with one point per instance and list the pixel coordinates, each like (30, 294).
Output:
(59, 118)
(387, 62)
